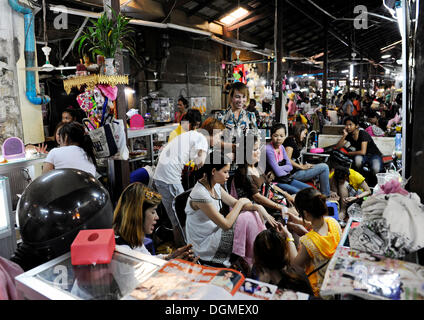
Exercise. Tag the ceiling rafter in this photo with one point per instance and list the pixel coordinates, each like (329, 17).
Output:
(200, 5)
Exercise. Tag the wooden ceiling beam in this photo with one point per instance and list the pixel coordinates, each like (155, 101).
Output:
(247, 21)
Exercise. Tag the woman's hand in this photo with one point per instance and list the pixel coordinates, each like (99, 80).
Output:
(243, 202)
(334, 196)
(349, 199)
(184, 253)
(345, 133)
(282, 229)
(41, 148)
(266, 216)
(295, 219)
(307, 166)
(299, 229)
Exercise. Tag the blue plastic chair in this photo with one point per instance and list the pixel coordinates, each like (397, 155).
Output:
(148, 243)
(333, 209)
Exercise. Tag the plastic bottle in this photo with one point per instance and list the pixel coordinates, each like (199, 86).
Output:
(315, 143)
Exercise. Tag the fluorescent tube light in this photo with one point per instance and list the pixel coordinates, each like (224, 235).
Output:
(235, 15)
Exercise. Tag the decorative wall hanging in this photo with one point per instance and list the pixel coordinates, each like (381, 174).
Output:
(91, 81)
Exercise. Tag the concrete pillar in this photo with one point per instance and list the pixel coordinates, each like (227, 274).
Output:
(121, 167)
(10, 113)
(23, 119)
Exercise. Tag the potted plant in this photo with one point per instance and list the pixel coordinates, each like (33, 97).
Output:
(106, 36)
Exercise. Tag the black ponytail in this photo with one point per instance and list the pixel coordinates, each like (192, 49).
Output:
(87, 146)
(312, 201)
(74, 133)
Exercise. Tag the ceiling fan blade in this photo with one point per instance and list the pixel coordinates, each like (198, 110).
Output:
(32, 69)
(65, 68)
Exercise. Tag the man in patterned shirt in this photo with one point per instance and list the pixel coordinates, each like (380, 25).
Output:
(238, 122)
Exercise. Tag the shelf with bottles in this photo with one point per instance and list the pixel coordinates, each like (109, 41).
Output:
(144, 144)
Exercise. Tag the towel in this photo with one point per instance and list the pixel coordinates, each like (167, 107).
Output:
(8, 271)
(247, 227)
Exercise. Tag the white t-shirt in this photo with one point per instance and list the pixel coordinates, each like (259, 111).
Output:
(141, 249)
(202, 232)
(306, 107)
(73, 157)
(177, 153)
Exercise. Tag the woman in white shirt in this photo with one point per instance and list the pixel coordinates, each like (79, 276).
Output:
(188, 146)
(135, 216)
(75, 150)
(210, 232)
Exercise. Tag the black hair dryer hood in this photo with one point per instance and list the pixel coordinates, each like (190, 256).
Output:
(54, 208)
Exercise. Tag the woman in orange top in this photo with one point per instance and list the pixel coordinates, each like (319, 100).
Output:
(318, 245)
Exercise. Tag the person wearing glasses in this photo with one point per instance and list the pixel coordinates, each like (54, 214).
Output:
(135, 217)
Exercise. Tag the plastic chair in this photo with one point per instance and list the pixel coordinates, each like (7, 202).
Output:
(179, 205)
(333, 209)
(148, 243)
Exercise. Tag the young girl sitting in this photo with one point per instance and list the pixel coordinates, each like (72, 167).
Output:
(350, 186)
(317, 246)
(272, 262)
(305, 172)
(75, 150)
(279, 163)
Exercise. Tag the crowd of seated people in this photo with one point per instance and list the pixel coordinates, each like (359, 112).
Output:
(267, 218)
(265, 215)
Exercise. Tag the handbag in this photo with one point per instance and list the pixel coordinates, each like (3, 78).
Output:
(104, 143)
(287, 179)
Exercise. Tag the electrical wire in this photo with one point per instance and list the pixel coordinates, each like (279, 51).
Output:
(170, 11)
(44, 22)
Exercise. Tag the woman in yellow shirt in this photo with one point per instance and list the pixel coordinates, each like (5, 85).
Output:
(350, 185)
(318, 245)
(191, 120)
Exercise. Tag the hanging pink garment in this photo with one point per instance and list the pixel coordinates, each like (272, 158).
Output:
(247, 227)
(8, 271)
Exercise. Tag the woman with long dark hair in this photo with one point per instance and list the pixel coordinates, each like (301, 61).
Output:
(279, 163)
(318, 245)
(272, 262)
(305, 172)
(210, 232)
(75, 150)
(366, 153)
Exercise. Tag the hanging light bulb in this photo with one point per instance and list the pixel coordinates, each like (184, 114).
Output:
(238, 54)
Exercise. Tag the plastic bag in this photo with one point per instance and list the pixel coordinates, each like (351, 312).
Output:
(104, 143)
(118, 130)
